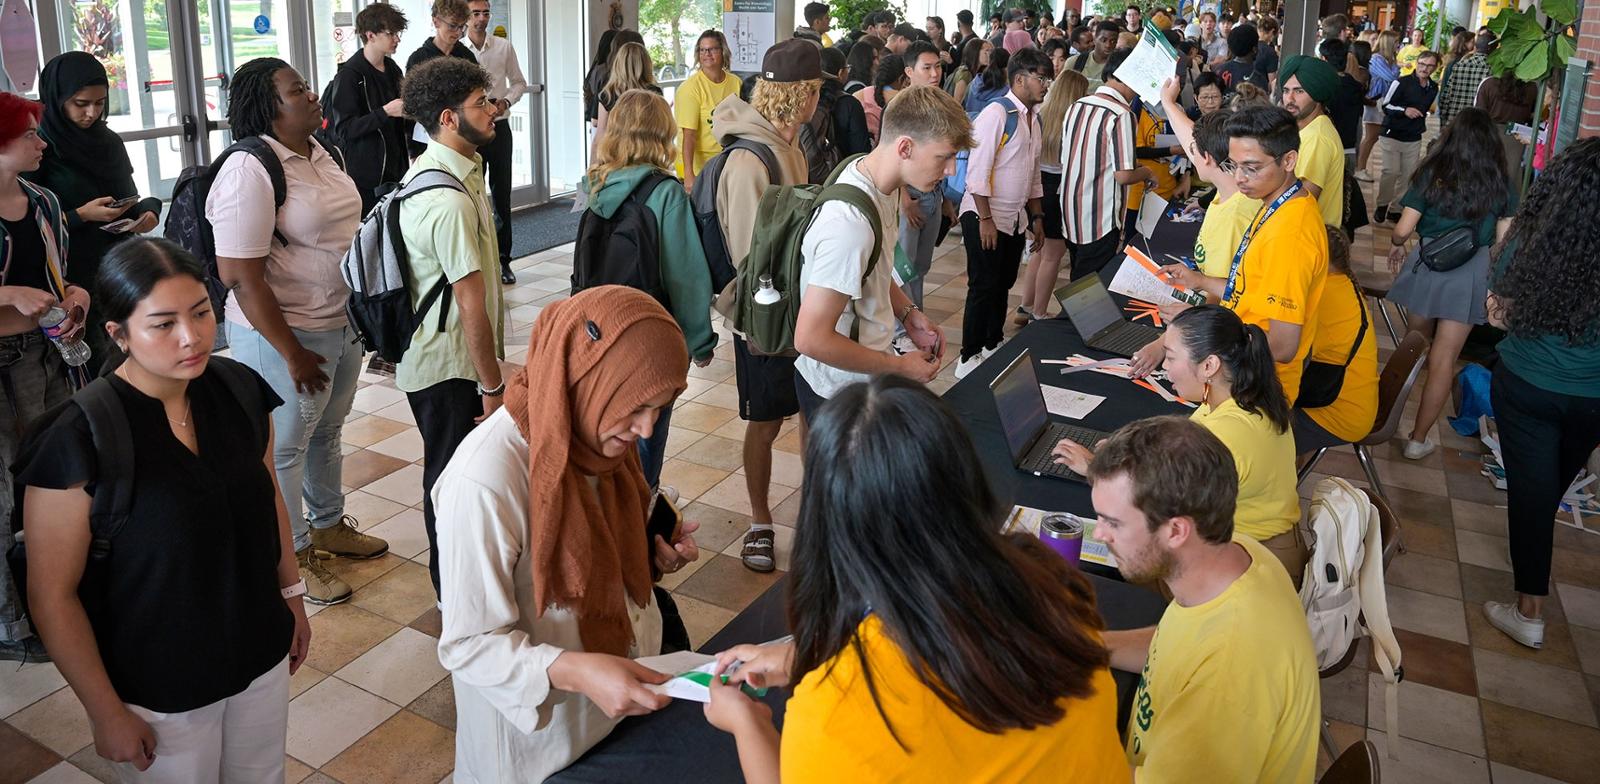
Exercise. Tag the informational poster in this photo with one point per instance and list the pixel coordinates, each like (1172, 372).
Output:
(499, 19)
(1152, 62)
(345, 40)
(751, 28)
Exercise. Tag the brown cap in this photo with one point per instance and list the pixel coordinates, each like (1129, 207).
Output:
(794, 60)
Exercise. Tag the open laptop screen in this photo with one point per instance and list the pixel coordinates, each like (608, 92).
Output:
(1089, 305)
(1020, 403)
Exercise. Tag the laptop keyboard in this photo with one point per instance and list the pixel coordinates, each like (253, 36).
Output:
(1039, 459)
(1123, 340)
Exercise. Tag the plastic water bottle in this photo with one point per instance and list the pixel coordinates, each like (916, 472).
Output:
(767, 295)
(74, 351)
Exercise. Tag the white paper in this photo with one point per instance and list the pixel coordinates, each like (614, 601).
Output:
(1135, 280)
(419, 134)
(1150, 211)
(751, 31)
(1069, 403)
(674, 664)
(1152, 62)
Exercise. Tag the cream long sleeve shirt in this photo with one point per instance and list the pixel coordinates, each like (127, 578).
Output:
(499, 58)
(511, 725)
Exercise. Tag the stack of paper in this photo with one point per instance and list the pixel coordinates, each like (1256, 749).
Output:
(1140, 278)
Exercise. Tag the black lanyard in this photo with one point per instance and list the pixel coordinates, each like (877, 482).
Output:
(1250, 233)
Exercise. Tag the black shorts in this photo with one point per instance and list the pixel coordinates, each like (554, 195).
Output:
(766, 385)
(1053, 224)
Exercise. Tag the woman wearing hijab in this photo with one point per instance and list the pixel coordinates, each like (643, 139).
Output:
(87, 167)
(545, 565)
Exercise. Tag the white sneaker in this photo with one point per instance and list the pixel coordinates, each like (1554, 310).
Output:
(965, 366)
(904, 345)
(1416, 450)
(668, 492)
(1507, 618)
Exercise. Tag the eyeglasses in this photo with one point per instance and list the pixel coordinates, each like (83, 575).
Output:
(483, 102)
(451, 25)
(1042, 80)
(709, 50)
(1249, 170)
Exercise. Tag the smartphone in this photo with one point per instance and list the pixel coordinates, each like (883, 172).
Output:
(123, 202)
(118, 227)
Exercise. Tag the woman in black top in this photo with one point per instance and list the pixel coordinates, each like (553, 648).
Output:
(87, 167)
(181, 639)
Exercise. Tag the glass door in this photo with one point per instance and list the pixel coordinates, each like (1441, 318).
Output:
(565, 152)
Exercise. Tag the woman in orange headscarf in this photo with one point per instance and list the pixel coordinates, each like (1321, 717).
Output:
(547, 568)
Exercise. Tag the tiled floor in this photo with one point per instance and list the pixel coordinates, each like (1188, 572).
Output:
(373, 705)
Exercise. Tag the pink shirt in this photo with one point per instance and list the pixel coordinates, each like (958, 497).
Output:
(869, 104)
(320, 213)
(1008, 175)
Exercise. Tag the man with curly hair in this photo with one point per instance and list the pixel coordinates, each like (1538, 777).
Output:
(451, 374)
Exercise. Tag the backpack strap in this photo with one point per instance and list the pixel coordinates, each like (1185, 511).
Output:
(424, 181)
(113, 447)
(332, 150)
(268, 158)
(1374, 600)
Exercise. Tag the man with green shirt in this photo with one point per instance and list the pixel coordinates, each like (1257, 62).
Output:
(451, 376)
(1307, 84)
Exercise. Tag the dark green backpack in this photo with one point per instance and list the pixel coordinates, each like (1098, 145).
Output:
(782, 220)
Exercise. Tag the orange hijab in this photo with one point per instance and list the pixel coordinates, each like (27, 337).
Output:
(592, 360)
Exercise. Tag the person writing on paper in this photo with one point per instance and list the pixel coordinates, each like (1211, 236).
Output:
(1276, 275)
(1223, 363)
(544, 563)
(897, 677)
(1206, 142)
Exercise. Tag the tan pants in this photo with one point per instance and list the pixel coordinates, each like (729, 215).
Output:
(1292, 552)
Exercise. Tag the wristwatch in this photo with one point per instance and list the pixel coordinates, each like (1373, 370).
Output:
(298, 589)
(907, 314)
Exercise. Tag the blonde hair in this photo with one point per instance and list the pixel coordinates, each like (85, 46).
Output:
(1067, 89)
(630, 70)
(927, 114)
(1127, 40)
(1386, 44)
(782, 102)
(640, 131)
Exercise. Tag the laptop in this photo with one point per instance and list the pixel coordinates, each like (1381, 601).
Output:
(1098, 319)
(1029, 432)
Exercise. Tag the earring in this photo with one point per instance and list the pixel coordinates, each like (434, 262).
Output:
(1207, 394)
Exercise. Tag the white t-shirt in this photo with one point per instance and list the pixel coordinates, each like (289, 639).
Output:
(835, 252)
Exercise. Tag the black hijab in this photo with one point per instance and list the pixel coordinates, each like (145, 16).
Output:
(96, 148)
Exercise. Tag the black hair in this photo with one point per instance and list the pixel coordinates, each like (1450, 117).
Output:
(1173, 38)
(1114, 62)
(1053, 44)
(815, 11)
(918, 49)
(994, 77)
(1363, 52)
(1106, 25)
(1483, 43)
(891, 70)
(1273, 126)
(1555, 238)
(439, 84)
(971, 52)
(877, 18)
(602, 53)
(131, 270)
(253, 97)
(964, 16)
(1209, 79)
(891, 470)
(861, 57)
(1029, 60)
(1335, 51)
(1246, 358)
(833, 61)
(1078, 31)
(996, 17)
(1243, 40)
(379, 18)
(1463, 176)
(1211, 132)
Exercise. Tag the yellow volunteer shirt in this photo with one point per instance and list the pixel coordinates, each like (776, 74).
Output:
(692, 106)
(1321, 163)
(1407, 57)
(1338, 321)
(1281, 279)
(832, 731)
(1220, 232)
(1268, 503)
(1229, 691)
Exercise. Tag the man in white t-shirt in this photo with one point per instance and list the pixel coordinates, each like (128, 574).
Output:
(923, 129)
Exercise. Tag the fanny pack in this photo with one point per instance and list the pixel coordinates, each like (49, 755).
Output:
(1449, 250)
(1322, 381)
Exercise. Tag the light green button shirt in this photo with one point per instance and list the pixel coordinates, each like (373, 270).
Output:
(453, 235)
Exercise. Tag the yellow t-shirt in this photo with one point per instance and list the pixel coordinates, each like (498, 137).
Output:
(1321, 163)
(1268, 502)
(1407, 57)
(692, 106)
(1145, 136)
(832, 731)
(1338, 320)
(1281, 279)
(1229, 691)
(1220, 232)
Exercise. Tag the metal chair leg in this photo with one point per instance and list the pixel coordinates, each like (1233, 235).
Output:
(1383, 311)
(1370, 466)
(1305, 470)
(1327, 741)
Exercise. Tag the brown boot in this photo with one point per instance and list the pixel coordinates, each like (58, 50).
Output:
(344, 540)
(322, 586)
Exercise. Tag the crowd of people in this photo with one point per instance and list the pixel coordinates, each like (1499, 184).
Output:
(542, 486)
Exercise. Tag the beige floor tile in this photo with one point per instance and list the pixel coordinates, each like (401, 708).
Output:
(404, 532)
(719, 370)
(1482, 518)
(363, 467)
(1344, 695)
(724, 582)
(437, 704)
(1587, 642)
(373, 398)
(369, 510)
(1483, 550)
(696, 387)
(364, 431)
(403, 486)
(399, 412)
(398, 669)
(305, 677)
(1436, 716)
(95, 765)
(702, 619)
(721, 453)
(788, 512)
(787, 468)
(295, 771)
(329, 717)
(63, 773)
(58, 722)
(405, 445)
(25, 685)
(360, 572)
(700, 417)
(1421, 763)
(1427, 613)
(400, 594)
(679, 439)
(1505, 774)
(690, 479)
(723, 395)
(1425, 573)
(341, 633)
(718, 527)
(733, 495)
(1582, 605)
(1541, 688)
(407, 748)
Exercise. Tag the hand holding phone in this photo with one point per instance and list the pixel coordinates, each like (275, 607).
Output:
(118, 227)
(124, 201)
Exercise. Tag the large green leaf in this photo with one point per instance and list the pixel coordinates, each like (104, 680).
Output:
(1511, 53)
(1498, 24)
(1535, 65)
(1566, 47)
(1562, 11)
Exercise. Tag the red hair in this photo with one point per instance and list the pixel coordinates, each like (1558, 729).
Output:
(14, 111)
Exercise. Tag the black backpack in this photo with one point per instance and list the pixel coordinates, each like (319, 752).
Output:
(724, 268)
(622, 250)
(816, 139)
(114, 461)
(186, 218)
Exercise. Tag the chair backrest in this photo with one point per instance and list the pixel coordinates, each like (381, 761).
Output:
(1357, 765)
(1388, 528)
(1394, 386)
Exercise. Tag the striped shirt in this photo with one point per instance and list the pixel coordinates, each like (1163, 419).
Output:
(1096, 143)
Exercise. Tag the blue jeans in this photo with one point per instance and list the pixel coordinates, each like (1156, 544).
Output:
(918, 243)
(306, 427)
(653, 450)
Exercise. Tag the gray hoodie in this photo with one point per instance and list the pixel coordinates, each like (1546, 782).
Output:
(744, 177)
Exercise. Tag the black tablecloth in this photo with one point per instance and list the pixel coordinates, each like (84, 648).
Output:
(676, 744)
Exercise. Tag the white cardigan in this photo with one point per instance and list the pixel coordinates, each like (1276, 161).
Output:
(510, 725)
